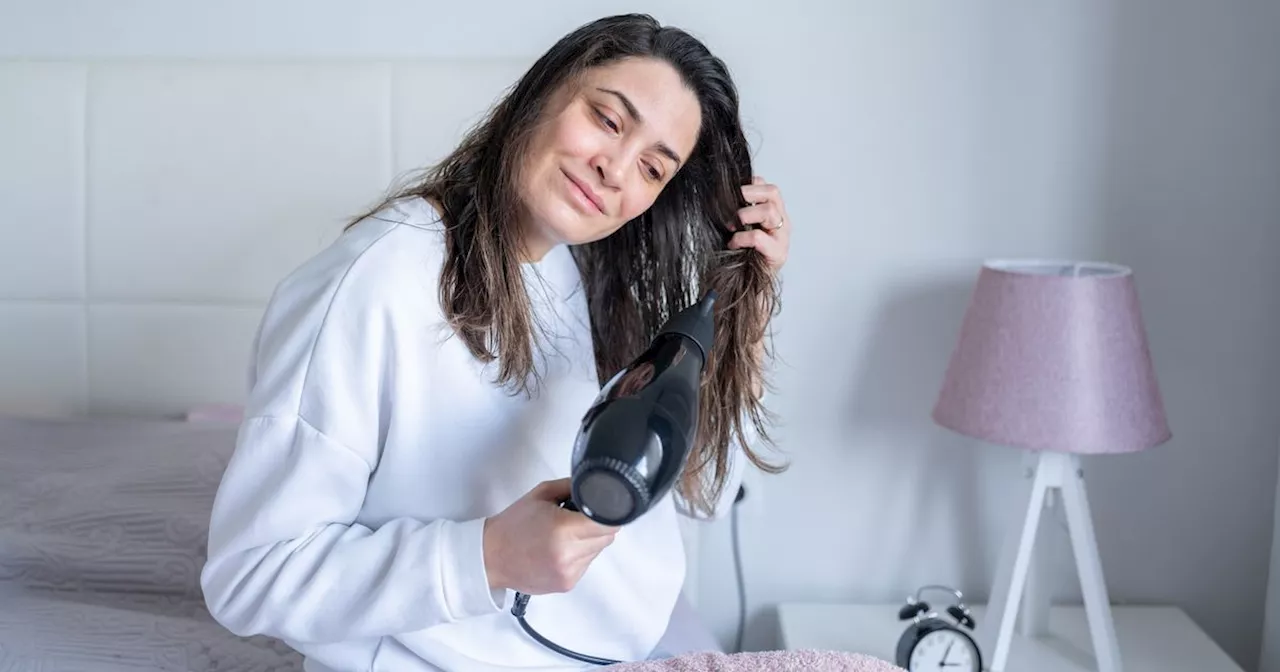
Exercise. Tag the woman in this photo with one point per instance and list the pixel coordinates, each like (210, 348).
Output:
(418, 384)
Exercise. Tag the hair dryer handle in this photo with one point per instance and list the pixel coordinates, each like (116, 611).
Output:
(568, 504)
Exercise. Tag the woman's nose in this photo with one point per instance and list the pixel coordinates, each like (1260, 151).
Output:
(608, 169)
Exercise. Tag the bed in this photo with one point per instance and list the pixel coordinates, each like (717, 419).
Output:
(102, 535)
(103, 525)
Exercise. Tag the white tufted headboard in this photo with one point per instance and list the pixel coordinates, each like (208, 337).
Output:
(148, 208)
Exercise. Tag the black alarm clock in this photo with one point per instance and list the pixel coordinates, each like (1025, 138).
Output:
(934, 643)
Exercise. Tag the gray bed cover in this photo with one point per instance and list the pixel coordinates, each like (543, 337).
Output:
(103, 526)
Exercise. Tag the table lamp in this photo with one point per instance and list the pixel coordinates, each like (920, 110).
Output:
(1052, 358)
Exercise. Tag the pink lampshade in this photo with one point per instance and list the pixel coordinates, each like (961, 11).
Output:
(1053, 356)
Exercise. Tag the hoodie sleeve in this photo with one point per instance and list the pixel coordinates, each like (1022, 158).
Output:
(286, 557)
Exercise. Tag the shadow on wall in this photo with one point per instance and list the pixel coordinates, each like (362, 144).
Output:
(934, 518)
(924, 506)
(1189, 173)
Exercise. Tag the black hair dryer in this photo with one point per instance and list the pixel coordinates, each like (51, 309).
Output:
(634, 439)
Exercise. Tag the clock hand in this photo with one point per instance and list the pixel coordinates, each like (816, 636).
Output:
(943, 662)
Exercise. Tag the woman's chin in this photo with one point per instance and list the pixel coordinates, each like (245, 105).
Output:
(564, 224)
(577, 232)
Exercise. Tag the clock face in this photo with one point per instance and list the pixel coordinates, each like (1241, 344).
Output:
(944, 651)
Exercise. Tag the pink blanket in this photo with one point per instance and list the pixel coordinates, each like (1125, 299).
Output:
(764, 661)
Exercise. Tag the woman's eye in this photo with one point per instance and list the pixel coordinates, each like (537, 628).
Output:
(653, 172)
(607, 121)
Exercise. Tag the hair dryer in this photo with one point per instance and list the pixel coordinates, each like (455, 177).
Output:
(635, 437)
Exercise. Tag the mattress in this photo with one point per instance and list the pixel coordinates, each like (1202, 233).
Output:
(103, 530)
(100, 632)
(103, 526)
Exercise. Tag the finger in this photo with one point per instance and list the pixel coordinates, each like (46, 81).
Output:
(576, 525)
(595, 545)
(577, 548)
(757, 180)
(590, 529)
(553, 491)
(757, 238)
(582, 556)
(765, 214)
(761, 193)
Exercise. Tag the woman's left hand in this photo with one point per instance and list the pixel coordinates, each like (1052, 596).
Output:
(773, 238)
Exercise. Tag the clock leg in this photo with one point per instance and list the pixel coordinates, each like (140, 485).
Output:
(1015, 561)
(1093, 585)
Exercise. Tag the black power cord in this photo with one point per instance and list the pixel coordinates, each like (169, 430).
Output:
(737, 566)
(522, 600)
(517, 610)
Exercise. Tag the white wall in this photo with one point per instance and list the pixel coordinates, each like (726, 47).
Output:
(1191, 165)
(913, 139)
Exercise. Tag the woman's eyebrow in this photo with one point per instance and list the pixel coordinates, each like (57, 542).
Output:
(634, 113)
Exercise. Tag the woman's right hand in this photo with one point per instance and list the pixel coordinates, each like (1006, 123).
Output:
(534, 546)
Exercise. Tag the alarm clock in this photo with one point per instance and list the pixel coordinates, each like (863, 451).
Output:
(934, 643)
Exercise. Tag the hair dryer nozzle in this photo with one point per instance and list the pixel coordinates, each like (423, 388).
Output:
(697, 323)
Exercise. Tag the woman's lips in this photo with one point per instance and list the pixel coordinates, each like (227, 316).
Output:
(584, 195)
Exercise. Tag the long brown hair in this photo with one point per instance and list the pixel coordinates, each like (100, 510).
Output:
(637, 277)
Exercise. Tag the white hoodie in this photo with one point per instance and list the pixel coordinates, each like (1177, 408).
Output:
(349, 520)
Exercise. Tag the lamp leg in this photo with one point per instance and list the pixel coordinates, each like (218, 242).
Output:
(1015, 561)
(1093, 586)
(1037, 597)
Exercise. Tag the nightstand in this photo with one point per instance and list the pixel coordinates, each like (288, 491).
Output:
(1152, 639)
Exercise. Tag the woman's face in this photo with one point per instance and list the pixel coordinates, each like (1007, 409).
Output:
(605, 150)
